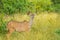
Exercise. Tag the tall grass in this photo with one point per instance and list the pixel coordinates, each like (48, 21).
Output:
(45, 27)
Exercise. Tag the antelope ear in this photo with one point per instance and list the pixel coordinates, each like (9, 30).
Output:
(28, 13)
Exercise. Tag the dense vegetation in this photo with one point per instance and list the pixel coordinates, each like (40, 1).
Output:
(13, 6)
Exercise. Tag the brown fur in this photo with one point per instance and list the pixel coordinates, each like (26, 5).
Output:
(22, 26)
(18, 26)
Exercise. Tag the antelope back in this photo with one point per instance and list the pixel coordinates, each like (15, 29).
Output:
(18, 26)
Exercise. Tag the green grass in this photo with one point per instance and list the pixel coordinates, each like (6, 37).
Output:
(46, 26)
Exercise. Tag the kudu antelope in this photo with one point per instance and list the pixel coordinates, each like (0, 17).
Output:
(19, 26)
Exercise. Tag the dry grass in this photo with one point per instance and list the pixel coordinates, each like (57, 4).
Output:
(44, 27)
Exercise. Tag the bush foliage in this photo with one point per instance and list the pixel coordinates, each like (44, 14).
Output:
(13, 6)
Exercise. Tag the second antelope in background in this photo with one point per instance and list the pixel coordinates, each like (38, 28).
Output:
(19, 26)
